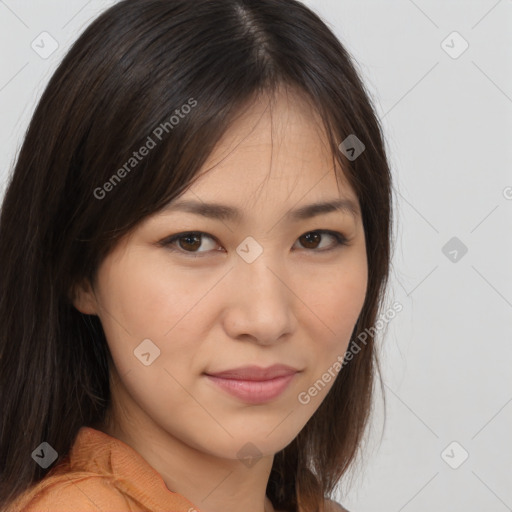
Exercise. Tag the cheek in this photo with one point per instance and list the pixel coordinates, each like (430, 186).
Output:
(135, 305)
(333, 307)
(334, 303)
(336, 298)
(144, 296)
(346, 301)
(147, 298)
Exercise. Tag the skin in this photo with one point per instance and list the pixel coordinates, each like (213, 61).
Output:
(294, 305)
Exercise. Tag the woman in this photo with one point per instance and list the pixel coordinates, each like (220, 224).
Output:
(196, 231)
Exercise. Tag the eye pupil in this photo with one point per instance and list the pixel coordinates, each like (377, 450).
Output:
(308, 237)
(189, 237)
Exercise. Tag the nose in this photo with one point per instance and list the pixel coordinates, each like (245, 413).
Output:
(261, 305)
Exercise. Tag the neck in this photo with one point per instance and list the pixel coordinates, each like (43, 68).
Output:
(210, 482)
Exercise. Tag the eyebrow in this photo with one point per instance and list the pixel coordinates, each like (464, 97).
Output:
(224, 212)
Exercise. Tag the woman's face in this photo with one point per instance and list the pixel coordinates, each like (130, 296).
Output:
(258, 289)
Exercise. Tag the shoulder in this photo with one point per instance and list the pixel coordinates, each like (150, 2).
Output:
(72, 494)
(333, 506)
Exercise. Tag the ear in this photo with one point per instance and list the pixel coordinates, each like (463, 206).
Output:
(83, 299)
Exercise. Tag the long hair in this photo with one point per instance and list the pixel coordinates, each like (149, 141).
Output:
(68, 202)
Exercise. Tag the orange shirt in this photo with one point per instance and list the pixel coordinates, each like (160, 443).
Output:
(101, 474)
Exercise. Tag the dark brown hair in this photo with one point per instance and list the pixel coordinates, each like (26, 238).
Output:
(125, 75)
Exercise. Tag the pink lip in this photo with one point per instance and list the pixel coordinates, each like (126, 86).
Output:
(254, 391)
(253, 384)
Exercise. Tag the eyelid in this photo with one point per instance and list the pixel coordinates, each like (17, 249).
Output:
(340, 238)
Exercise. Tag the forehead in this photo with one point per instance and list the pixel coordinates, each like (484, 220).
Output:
(275, 151)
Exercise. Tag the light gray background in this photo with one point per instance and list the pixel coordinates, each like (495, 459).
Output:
(448, 123)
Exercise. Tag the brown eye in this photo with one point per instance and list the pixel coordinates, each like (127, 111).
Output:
(188, 243)
(312, 239)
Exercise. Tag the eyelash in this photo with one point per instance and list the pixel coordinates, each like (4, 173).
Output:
(340, 240)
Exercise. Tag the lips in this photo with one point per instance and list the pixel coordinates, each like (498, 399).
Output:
(255, 373)
(254, 384)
